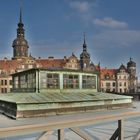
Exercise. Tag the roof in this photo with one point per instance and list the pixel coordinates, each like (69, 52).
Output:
(122, 67)
(8, 65)
(55, 69)
(108, 72)
(51, 63)
(59, 97)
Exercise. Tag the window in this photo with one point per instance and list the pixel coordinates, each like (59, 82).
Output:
(114, 84)
(5, 90)
(31, 80)
(107, 76)
(5, 82)
(16, 82)
(10, 82)
(2, 90)
(124, 77)
(43, 80)
(125, 90)
(108, 84)
(52, 81)
(11, 90)
(125, 84)
(2, 82)
(70, 81)
(23, 81)
(88, 82)
(120, 84)
(113, 90)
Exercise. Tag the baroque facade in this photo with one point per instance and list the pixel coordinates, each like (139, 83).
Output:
(121, 80)
(21, 60)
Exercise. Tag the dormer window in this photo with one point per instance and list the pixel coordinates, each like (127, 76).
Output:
(107, 76)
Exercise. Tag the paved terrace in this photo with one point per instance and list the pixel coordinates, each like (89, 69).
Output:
(79, 124)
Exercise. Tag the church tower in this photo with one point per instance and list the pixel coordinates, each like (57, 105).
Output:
(20, 45)
(84, 56)
(131, 67)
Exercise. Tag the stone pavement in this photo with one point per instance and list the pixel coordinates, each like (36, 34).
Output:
(101, 131)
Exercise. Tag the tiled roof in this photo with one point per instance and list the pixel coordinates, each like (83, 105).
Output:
(8, 65)
(110, 72)
(51, 63)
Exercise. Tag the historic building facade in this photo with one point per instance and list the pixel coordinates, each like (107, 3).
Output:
(121, 80)
(21, 60)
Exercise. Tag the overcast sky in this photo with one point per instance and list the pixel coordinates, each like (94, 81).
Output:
(55, 28)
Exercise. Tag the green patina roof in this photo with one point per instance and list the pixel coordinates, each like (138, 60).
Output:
(59, 97)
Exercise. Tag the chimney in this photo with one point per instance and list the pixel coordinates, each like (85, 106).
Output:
(50, 57)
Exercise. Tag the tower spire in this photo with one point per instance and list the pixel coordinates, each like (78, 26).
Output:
(20, 18)
(84, 38)
(20, 30)
(84, 56)
(84, 45)
(20, 44)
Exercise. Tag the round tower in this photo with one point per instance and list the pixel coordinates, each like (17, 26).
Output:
(131, 67)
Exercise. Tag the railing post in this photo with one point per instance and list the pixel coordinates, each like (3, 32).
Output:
(119, 133)
(120, 130)
(60, 134)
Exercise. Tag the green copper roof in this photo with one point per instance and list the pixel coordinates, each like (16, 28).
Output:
(59, 97)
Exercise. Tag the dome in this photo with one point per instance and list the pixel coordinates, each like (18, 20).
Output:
(20, 42)
(131, 63)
